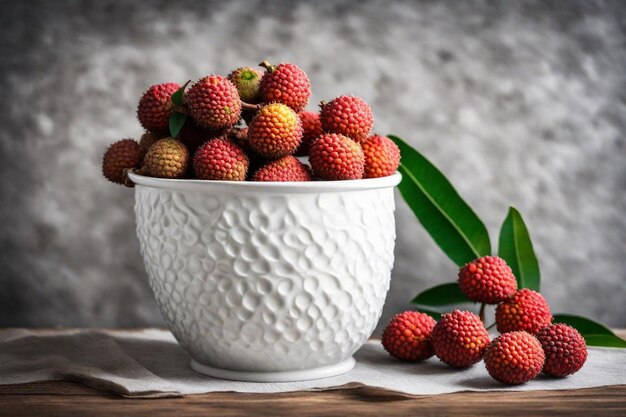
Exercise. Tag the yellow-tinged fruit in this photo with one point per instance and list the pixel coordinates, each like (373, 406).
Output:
(167, 158)
(382, 156)
(247, 81)
(514, 358)
(275, 131)
(459, 339)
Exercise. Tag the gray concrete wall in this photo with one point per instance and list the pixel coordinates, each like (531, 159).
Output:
(519, 103)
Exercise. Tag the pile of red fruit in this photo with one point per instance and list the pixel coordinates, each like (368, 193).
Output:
(252, 125)
(528, 344)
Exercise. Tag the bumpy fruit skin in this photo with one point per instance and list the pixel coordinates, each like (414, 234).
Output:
(514, 358)
(459, 339)
(167, 158)
(193, 136)
(565, 349)
(287, 168)
(275, 131)
(239, 136)
(120, 156)
(287, 84)
(407, 336)
(487, 280)
(311, 129)
(336, 157)
(222, 160)
(525, 310)
(247, 80)
(382, 156)
(348, 115)
(214, 103)
(148, 139)
(155, 107)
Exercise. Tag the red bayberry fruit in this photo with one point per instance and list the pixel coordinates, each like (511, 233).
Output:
(382, 156)
(155, 107)
(336, 157)
(220, 159)
(565, 349)
(525, 310)
(285, 83)
(120, 157)
(407, 336)
(487, 280)
(287, 168)
(514, 358)
(347, 115)
(214, 103)
(459, 339)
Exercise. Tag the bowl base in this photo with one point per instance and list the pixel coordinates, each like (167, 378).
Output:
(281, 376)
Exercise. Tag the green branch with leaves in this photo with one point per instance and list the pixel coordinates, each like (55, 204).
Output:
(463, 237)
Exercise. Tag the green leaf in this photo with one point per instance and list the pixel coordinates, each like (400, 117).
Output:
(441, 295)
(516, 248)
(595, 334)
(432, 313)
(605, 340)
(177, 98)
(444, 214)
(177, 120)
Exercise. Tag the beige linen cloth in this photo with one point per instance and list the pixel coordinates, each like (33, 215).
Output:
(150, 363)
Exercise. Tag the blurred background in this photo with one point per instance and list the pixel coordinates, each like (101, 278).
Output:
(519, 103)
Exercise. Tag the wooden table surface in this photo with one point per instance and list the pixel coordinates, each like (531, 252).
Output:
(69, 399)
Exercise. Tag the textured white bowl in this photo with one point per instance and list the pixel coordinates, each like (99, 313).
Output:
(268, 281)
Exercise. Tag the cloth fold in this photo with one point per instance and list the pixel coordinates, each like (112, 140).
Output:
(150, 364)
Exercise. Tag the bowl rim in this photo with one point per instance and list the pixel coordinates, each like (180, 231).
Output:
(266, 187)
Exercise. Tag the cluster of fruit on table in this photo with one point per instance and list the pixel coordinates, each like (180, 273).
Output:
(251, 125)
(528, 343)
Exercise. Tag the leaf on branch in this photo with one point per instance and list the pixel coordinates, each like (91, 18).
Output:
(177, 120)
(178, 97)
(441, 295)
(595, 334)
(516, 248)
(438, 206)
(432, 313)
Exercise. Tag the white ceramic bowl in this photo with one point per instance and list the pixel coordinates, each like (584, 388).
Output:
(268, 281)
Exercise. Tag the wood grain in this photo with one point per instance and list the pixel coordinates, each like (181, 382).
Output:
(67, 399)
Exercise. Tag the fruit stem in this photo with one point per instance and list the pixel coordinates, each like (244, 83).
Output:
(481, 313)
(127, 182)
(245, 105)
(491, 326)
(269, 67)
